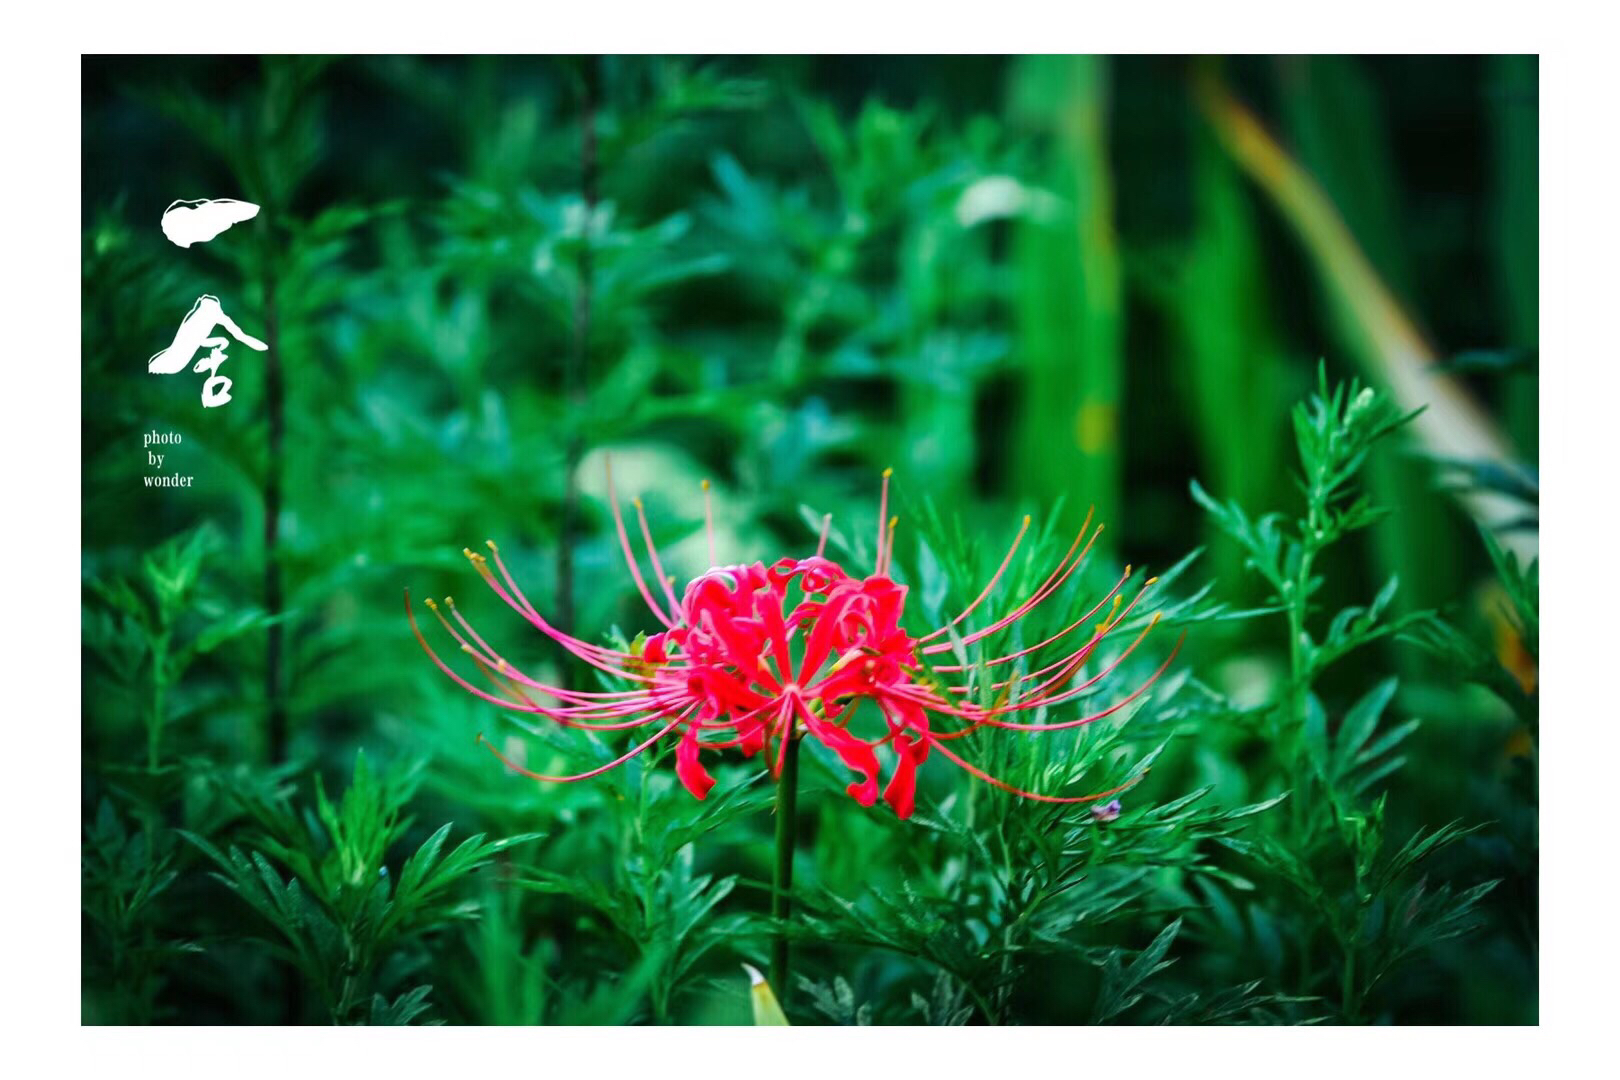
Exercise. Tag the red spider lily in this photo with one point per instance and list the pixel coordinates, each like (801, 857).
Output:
(752, 656)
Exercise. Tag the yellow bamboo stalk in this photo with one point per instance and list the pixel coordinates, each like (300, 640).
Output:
(1454, 425)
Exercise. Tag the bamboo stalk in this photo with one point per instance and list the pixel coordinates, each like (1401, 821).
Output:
(1071, 309)
(576, 376)
(1453, 424)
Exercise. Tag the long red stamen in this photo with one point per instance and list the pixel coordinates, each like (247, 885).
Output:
(496, 677)
(1002, 569)
(1081, 621)
(629, 555)
(598, 771)
(525, 607)
(935, 744)
(883, 518)
(595, 655)
(494, 659)
(541, 710)
(658, 567)
(1072, 694)
(990, 717)
(1053, 582)
(1043, 694)
(788, 721)
(708, 523)
(725, 663)
(1076, 659)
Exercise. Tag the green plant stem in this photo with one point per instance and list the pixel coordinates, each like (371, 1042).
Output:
(576, 373)
(1299, 602)
(787, 797)
(1351, 1003)
(275, 396)
(160, 686)
(985, 1008)
(1299, 691)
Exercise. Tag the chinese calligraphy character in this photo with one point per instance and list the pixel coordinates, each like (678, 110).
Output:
(197, 221)
(197, 332)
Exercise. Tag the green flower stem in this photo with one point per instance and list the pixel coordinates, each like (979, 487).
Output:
(1300, 675)
(787, 797)
(1350, 996)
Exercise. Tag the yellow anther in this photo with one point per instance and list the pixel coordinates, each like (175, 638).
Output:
(888, 473)
(705, 484)
(1027, 519)
(500, 665)
(450, 601)
(1151, 581)
(469, 553)
(491, 545)
(894, 521)
(1127, 569)
(431, 605)
(1157, 615)
(467, 649)
(1108, 622)
(636, 503)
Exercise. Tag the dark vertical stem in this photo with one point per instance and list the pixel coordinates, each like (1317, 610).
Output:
(276, 410)
(1350, 995)
(160, 712)
(577, 375)
(275, 395)
(787, 797)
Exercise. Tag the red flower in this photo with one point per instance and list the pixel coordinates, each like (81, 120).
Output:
(753, 655)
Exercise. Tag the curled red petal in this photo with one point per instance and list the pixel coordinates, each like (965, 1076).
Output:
(689, 769)
(901, 792)
(856, 753)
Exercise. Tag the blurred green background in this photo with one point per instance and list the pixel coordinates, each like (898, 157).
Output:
(1024, 283)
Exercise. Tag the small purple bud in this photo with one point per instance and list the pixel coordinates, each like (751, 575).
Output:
(1108, 811)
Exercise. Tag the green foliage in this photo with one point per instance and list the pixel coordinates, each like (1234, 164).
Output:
(1335, 432)
(149, 630)
(1507, 665)
(1364, 906)
(1006, 885)
(125, 873)
(1072, 313)
(1334, 116)
(339, 915)
(836, 1002)
(651, 905)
